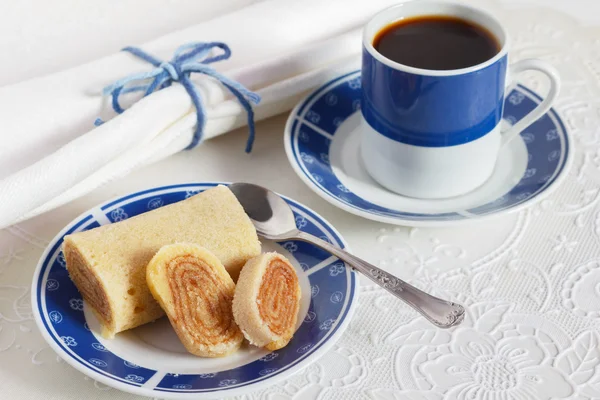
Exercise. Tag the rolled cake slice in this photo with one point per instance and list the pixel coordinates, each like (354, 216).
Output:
(108, 264)
(195, 291)
(266, 301)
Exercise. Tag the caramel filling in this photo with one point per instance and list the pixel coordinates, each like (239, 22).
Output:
(277, 298)
(88, 284)
(202, 301)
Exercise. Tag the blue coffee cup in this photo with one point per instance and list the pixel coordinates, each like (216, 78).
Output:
(436, 133)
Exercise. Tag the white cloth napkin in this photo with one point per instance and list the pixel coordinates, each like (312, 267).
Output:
(51, 153)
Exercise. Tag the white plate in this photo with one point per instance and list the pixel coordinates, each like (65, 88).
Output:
(150, 360)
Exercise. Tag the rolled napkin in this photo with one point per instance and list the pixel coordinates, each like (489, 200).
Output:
(195, 291)
(267, 300)
(108, 264)
(53, 154)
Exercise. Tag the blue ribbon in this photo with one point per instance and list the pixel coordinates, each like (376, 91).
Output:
(188, 59)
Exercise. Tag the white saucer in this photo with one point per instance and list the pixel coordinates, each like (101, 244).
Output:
(150, 360)
(322, 143)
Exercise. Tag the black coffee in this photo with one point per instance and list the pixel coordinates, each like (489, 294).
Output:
(436, 42)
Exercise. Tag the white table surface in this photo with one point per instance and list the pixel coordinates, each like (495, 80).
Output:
(513, 273)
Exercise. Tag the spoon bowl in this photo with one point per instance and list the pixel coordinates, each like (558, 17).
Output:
(271, 215)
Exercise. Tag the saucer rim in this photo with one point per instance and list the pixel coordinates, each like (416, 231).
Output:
(293, 116)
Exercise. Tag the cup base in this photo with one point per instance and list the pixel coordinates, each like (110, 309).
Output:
(428, 172)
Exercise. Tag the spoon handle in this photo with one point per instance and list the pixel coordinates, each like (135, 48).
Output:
(441, 313)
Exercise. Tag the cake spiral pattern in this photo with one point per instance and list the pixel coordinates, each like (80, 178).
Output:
(108, 263)
(195, 291)
(267, 300)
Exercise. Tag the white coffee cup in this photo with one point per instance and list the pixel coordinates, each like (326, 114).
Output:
(436, 133)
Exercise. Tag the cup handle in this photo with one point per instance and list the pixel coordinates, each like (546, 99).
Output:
(544, 106)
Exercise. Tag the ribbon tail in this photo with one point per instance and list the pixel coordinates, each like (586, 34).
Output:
(249, 112)
(115, 100)
(243, 95)
(200, 116)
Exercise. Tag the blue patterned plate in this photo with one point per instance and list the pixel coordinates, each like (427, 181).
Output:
(322, 143)
(150, 360)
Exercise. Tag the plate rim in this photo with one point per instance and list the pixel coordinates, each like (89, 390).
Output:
(152, 392)
(429, 223)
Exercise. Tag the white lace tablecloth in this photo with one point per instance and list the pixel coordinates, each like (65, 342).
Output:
(531, 280)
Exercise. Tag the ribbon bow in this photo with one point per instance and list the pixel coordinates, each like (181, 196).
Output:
(188, 59)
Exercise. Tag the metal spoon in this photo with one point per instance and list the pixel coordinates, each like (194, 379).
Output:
(274, 219)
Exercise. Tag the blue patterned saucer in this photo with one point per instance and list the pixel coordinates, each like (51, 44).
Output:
(322, 143)
(150, 360)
